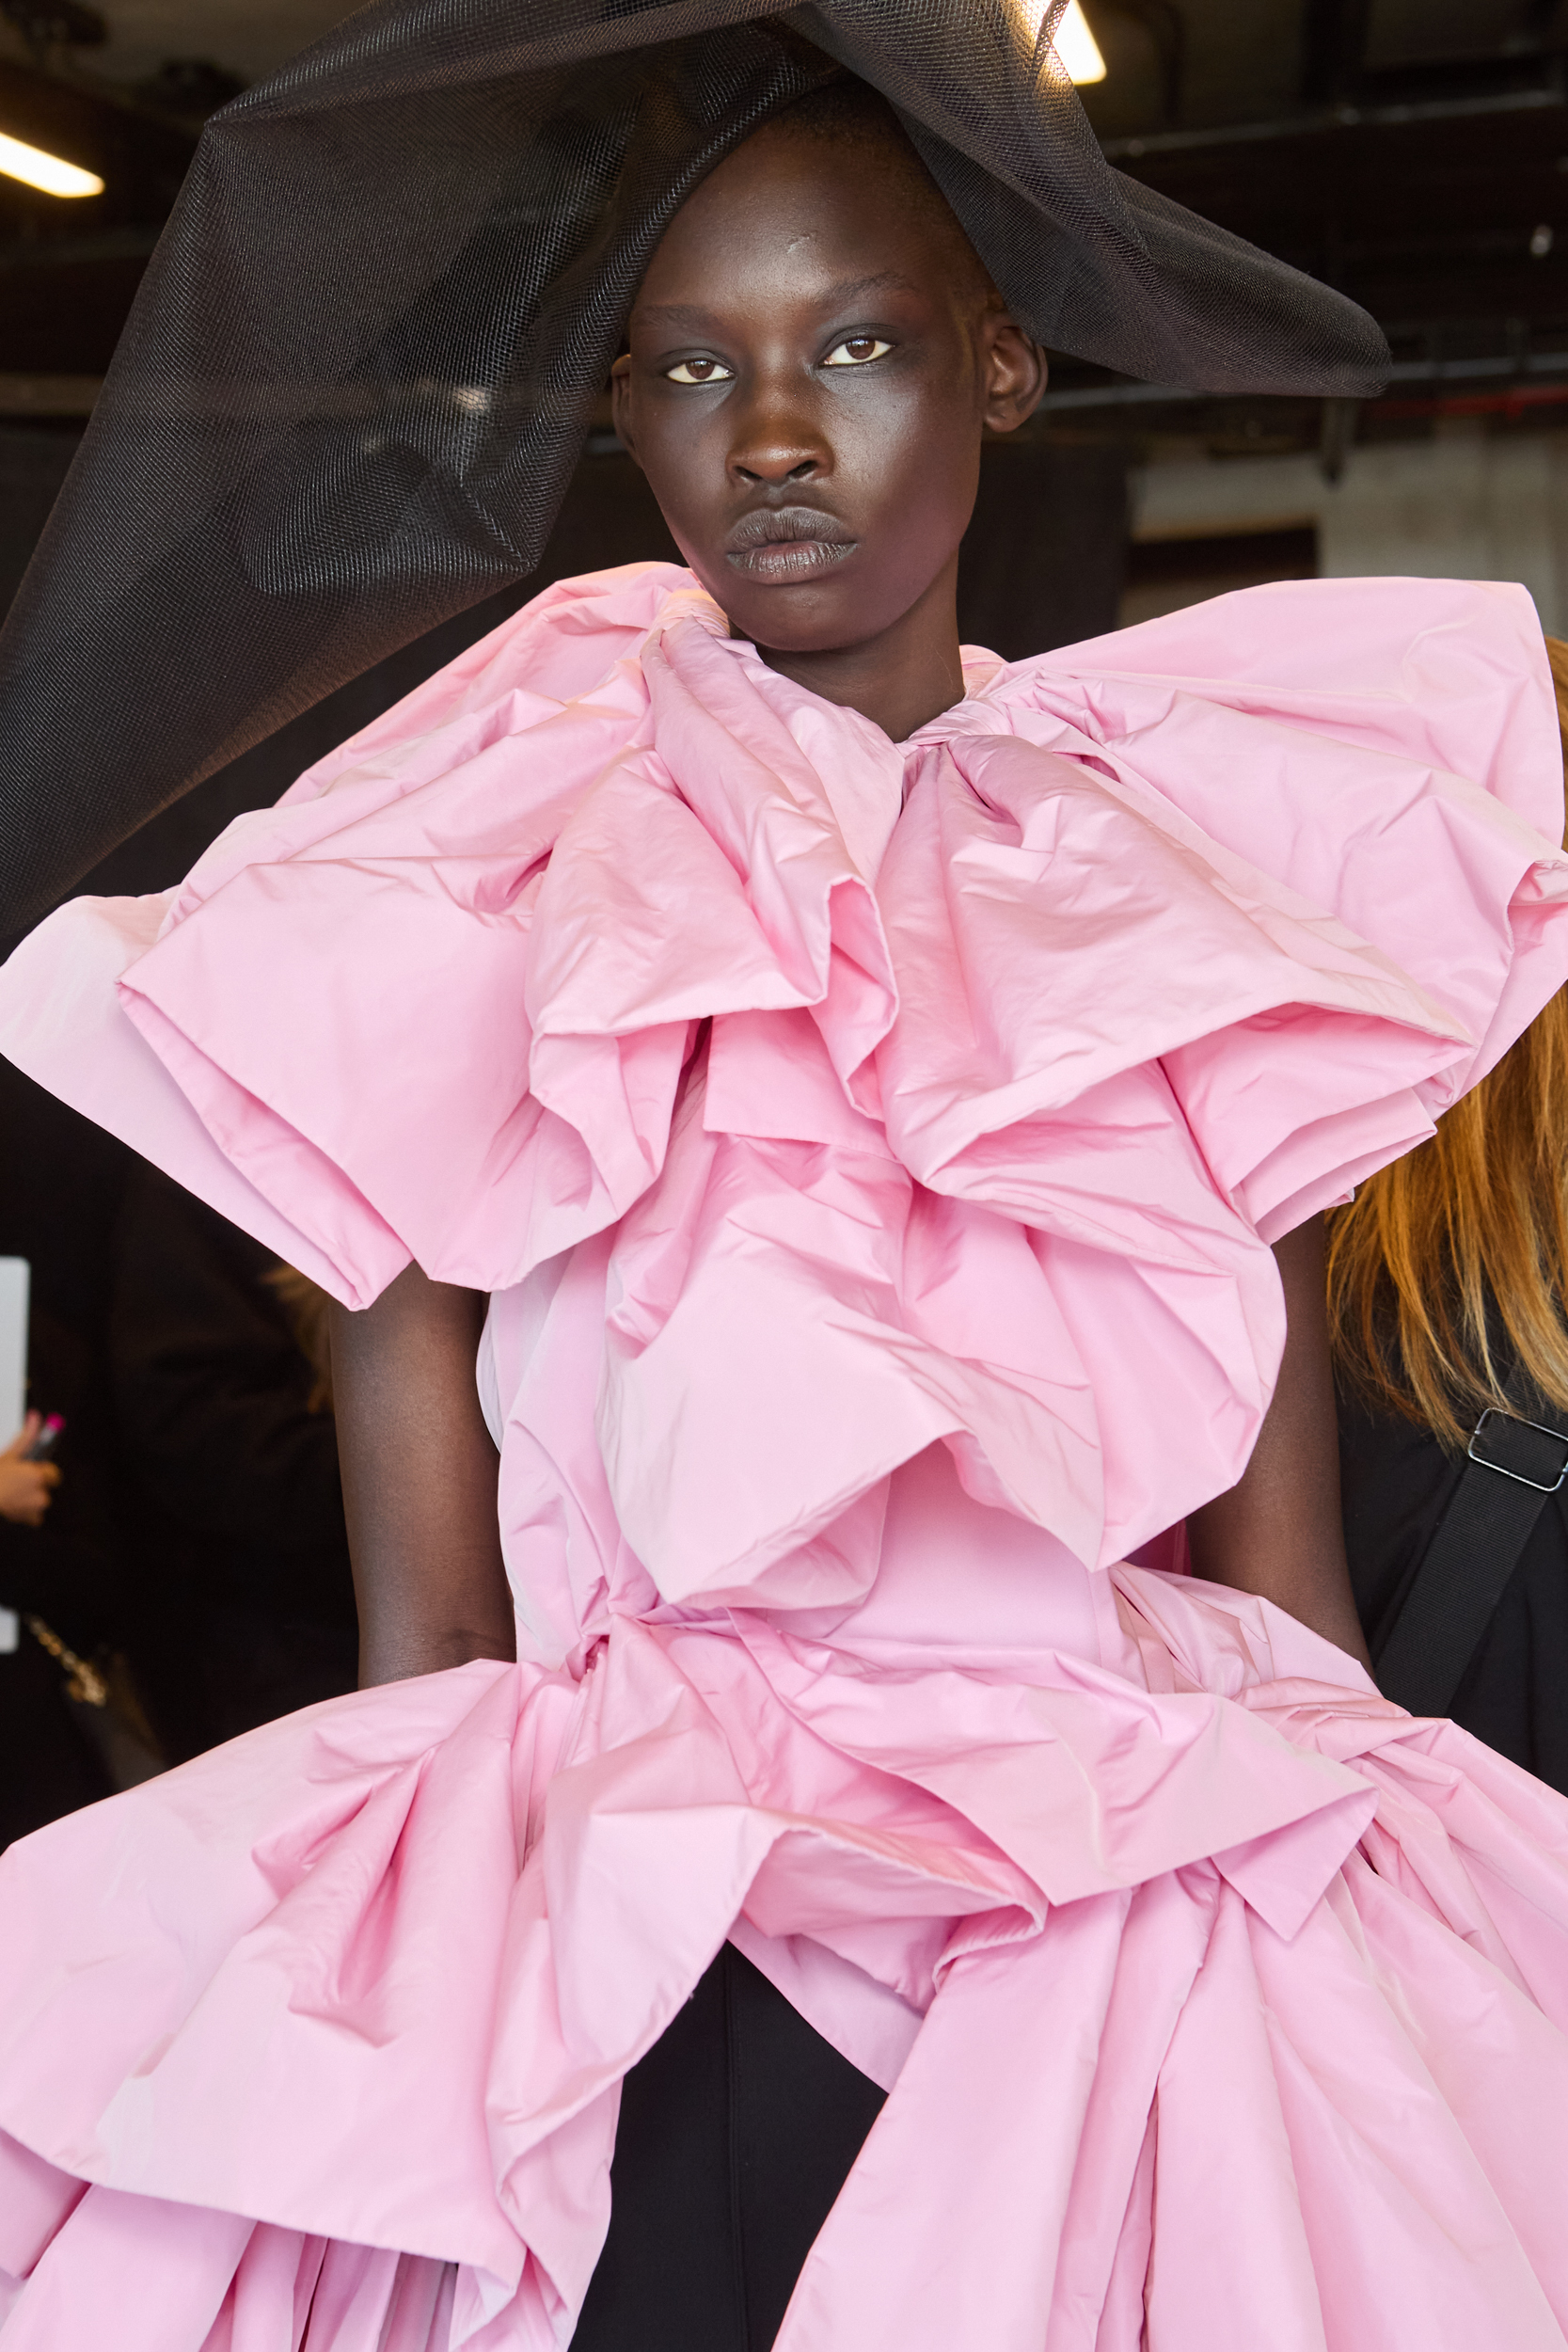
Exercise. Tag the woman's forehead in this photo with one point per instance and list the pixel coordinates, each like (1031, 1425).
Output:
(790, 209)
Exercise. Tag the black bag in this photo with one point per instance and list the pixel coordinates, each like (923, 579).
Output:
(1434, 1624)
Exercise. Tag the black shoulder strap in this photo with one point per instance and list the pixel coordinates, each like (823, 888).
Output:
(1511, 1465)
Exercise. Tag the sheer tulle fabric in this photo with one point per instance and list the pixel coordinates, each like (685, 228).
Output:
(361, 368)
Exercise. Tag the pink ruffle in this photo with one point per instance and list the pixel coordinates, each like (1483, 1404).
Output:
(1300, 1941)
(872, 1152)
(1159, 958)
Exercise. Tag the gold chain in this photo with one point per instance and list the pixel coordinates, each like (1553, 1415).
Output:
(82, 1682)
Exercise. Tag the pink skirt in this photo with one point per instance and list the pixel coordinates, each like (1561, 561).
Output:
(1218, 2000)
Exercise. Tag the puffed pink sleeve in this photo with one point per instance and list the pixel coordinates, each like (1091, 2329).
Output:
(322, 1032)
(1378, 764)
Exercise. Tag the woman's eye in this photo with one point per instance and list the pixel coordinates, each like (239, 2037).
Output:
(855, 351)
(700, 371)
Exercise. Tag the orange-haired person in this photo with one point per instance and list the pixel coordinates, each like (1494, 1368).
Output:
(1448, 1308)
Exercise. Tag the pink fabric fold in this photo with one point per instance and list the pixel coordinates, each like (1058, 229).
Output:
(441, 1919)
(872, 1152)
(1131, 958)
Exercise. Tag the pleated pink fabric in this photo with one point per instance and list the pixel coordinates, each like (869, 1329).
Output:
(871, 1152)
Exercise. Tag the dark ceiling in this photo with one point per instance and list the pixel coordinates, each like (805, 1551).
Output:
(1413, 152)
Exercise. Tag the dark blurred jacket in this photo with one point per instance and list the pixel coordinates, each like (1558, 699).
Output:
(62, 1182)
(235, 1539)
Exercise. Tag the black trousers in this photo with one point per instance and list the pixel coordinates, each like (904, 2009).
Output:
(736, 2133)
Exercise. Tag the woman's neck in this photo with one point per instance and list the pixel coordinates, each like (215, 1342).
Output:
(909, 674)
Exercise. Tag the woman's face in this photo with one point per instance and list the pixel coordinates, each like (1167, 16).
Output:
(815, 354)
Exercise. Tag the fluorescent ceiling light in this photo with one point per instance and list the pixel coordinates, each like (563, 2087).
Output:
(18, 161)
(1077, 47)
(1073, 43)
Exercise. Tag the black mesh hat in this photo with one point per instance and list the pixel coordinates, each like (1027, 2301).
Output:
(364, 356)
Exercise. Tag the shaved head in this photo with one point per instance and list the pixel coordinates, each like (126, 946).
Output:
(815, 355)
(851, 115)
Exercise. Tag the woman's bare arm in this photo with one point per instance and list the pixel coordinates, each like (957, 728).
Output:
(419, 1482)
(1278, 1532)
(420, 1479)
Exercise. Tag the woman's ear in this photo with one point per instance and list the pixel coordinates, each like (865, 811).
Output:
(1014, 373)
(620, 406)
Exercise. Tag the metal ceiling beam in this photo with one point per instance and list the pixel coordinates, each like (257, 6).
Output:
(1548, 93)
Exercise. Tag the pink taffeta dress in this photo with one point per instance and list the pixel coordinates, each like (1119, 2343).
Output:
(871, 1152)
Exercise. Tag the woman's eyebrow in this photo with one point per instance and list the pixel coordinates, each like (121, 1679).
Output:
(885, 281)
(693, 314)
(679, 313)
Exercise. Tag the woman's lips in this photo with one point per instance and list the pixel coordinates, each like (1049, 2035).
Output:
(787, 542)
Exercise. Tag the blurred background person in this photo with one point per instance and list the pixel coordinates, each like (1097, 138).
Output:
(233, 1530)
(178, 1572)
(61, 1185)
(1448, 1302)
(47, 1764)
(26, 1487)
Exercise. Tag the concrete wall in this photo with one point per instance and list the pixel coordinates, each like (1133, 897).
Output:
(1461, 505)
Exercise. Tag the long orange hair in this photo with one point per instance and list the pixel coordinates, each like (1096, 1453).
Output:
(1459, 1252)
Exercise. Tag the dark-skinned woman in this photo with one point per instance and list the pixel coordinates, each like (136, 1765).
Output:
(818, 1138)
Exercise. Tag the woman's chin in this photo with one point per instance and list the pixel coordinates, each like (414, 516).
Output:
(824, 615)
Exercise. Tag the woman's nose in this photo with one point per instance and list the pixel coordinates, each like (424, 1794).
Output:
(775, 465)
(778, 441)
